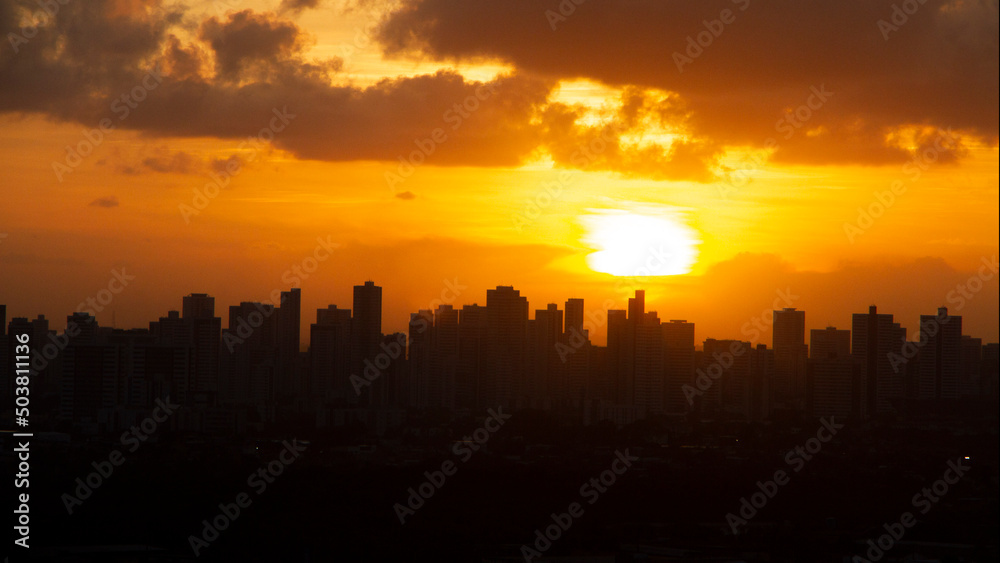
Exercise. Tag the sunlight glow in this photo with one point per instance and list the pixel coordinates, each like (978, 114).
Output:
(639, 244)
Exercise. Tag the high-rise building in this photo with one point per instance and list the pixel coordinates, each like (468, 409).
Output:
(829, 342)
(988, 381)
(972, 367)
(546, 376)
(833, 377)
(649, 365)
(205, 330)
(940, 360)
(618, 386)
(197, 305)
(330, 355)
(678, 341)
(251, 344)
(507, 325)
(444, 357)
(424, 387)
(574, 315)
(727, 364)
(366, 329)
(874, 337)
(289, 342)
(472, 323)
(790, 354)
(637, 306)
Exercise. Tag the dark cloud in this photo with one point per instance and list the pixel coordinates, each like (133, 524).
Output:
(243, 70)
(296, 6)
(939, 68)
(106, 201)
(246, 39)
(407, 196)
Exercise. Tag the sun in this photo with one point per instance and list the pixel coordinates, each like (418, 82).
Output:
(630, 243)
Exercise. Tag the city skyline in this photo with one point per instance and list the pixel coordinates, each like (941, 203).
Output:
(753, 327)
(542, 165)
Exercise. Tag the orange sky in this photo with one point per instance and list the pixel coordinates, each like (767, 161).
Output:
(577, 161)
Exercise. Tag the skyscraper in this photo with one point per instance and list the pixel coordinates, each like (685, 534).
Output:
(472, 322)
(940, 348)
(873, 337)
(678, 341)
(506, 332)
(833, 378)
(330, 355)
(574, 315)
(790, 353)
(829, 342)
(205, 330)
(424, 389)
(366, 329)
(289, 327)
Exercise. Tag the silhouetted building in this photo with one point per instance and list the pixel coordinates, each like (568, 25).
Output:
(472, 338)
(289, 342)
(366, 329)
(940, 353)
(790, 354)
(424, 387)
(330, 355)
(874, 337)
(506, 326)
(205, 330)
(972, 367)
(545, 381)
(574, 315)
(678, 341)
(829, 343)
(251, 342)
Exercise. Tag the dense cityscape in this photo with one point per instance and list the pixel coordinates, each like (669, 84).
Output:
(461, 361)
(520, 408)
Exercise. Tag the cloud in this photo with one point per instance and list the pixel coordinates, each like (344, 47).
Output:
(297, 6)
(938, 69)
(106, 202)
(225, 76)
(246, 39)
(406, 196)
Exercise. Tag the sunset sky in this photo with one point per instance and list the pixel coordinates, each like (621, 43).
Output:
(827, 150)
